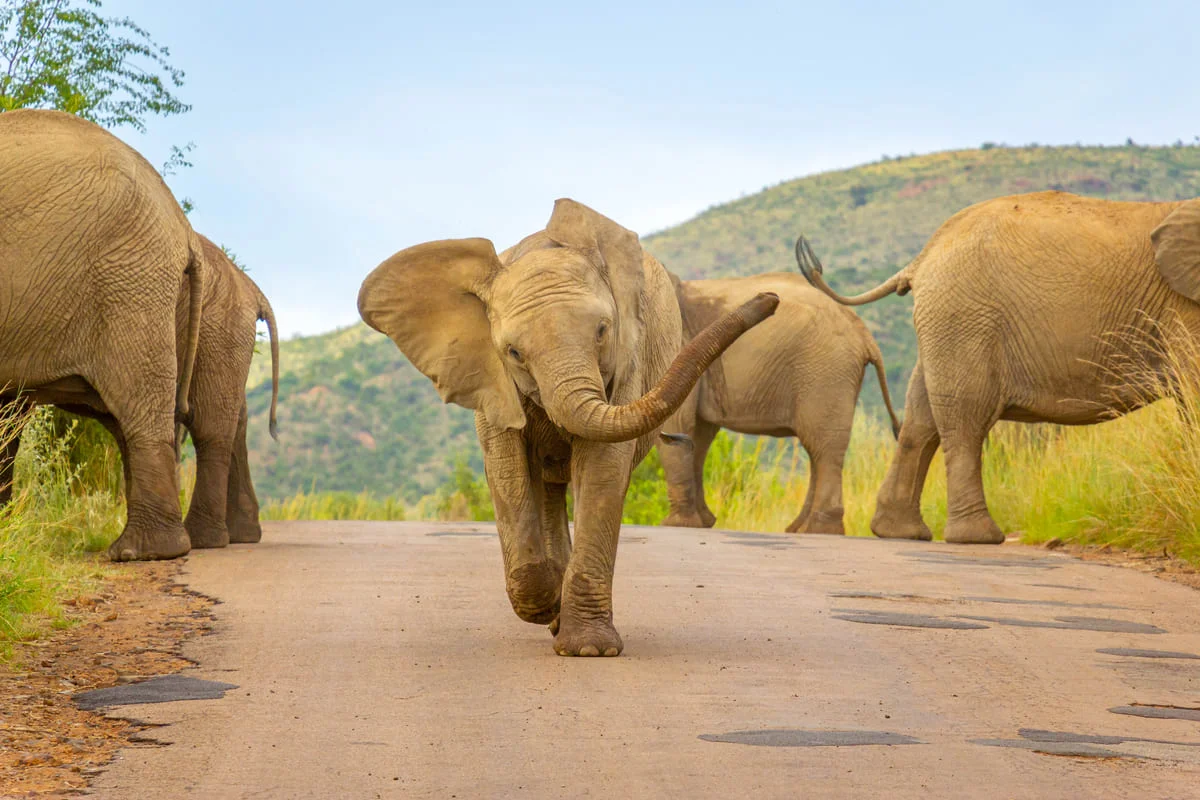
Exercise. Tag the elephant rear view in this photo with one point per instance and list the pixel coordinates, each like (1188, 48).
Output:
(94, 254)
(1044, 307)
(797, 374)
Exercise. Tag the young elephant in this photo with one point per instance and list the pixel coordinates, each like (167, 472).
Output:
(224, 506)
(1042, 307)
(94, 254)
(563, 346)
(797, 374)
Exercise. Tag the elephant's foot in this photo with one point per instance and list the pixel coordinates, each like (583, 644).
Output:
(822, 522)
(534, 591)
(245, 532)
(591, 637)
(975, 529)
(708, 518)
(900, 522)
(206, 534)
(685, 519)
(166, 542)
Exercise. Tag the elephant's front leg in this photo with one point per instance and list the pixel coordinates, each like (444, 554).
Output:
(532, 574)
(600, 475)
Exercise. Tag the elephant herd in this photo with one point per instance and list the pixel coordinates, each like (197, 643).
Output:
(579, 352)
(112, 307)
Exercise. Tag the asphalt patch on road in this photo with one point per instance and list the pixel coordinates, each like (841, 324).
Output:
(904, 620)
(1086, 745)
(1073, 624)
(908, 598)
(1062, 586)
(1127, 651)
(1158, 712)
(935, 557)
(767, 540)
(797, 737)
(1015, 601)
(164, 689)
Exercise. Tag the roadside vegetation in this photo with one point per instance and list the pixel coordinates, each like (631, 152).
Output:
(50, 532)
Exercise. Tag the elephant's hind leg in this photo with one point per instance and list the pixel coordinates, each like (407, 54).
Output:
(205, 521)
(146, 419)
(964, 419)
(241, 501)
(823, 511)
(898, 505)
(706, 432)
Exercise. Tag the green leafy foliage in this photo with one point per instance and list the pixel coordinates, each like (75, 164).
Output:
(68, 56)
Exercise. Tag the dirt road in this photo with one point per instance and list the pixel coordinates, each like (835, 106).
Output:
(382, 660)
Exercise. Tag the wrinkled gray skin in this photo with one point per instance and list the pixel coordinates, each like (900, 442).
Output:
(1043, 307)
(224, 507)
(563, 346)
(797, 374)
(94, 255)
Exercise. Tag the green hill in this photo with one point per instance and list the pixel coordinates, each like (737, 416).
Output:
(354, 414)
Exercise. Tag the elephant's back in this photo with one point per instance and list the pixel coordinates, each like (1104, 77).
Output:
(90, 235)
(1044, 290)
(800, 304)
(1053, 238)
(809, 343)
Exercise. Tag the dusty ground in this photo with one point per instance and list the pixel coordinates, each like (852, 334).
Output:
(381, 660)
(133, 628)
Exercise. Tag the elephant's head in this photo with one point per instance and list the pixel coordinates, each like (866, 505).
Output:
(557, 319)
(1177, 249)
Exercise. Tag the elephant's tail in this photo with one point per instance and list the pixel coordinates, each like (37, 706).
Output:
(268, 316)
(811, 269)
(195, 276)
(876, 358)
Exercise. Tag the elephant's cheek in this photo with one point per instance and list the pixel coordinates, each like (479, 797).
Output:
(534, 591)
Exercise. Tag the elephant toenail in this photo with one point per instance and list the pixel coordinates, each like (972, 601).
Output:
(589, 650)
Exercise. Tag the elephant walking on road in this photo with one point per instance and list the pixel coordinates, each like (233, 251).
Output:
(1043, 307)
(94, 255)
(796, 374)
(567, 346)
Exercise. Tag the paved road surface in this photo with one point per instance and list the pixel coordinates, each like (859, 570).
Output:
(382, 660)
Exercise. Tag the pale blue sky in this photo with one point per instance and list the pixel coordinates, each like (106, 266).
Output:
(329, 136)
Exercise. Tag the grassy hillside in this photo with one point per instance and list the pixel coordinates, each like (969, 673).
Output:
(354, 414)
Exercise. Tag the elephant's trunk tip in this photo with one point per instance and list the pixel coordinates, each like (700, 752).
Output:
(758, 308)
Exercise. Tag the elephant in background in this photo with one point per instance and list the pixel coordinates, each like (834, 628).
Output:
(1042, 307)
(796, 374)
(224, 506)
(95, 254)
(567, 346)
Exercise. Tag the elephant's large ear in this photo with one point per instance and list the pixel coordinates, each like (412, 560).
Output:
(428, 299)
(575, 225)
(1177, 249)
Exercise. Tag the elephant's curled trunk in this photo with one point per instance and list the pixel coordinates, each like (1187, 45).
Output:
(584, 411)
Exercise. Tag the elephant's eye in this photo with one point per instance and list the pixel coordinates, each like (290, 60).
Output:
(603, 329)
(514, 354)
